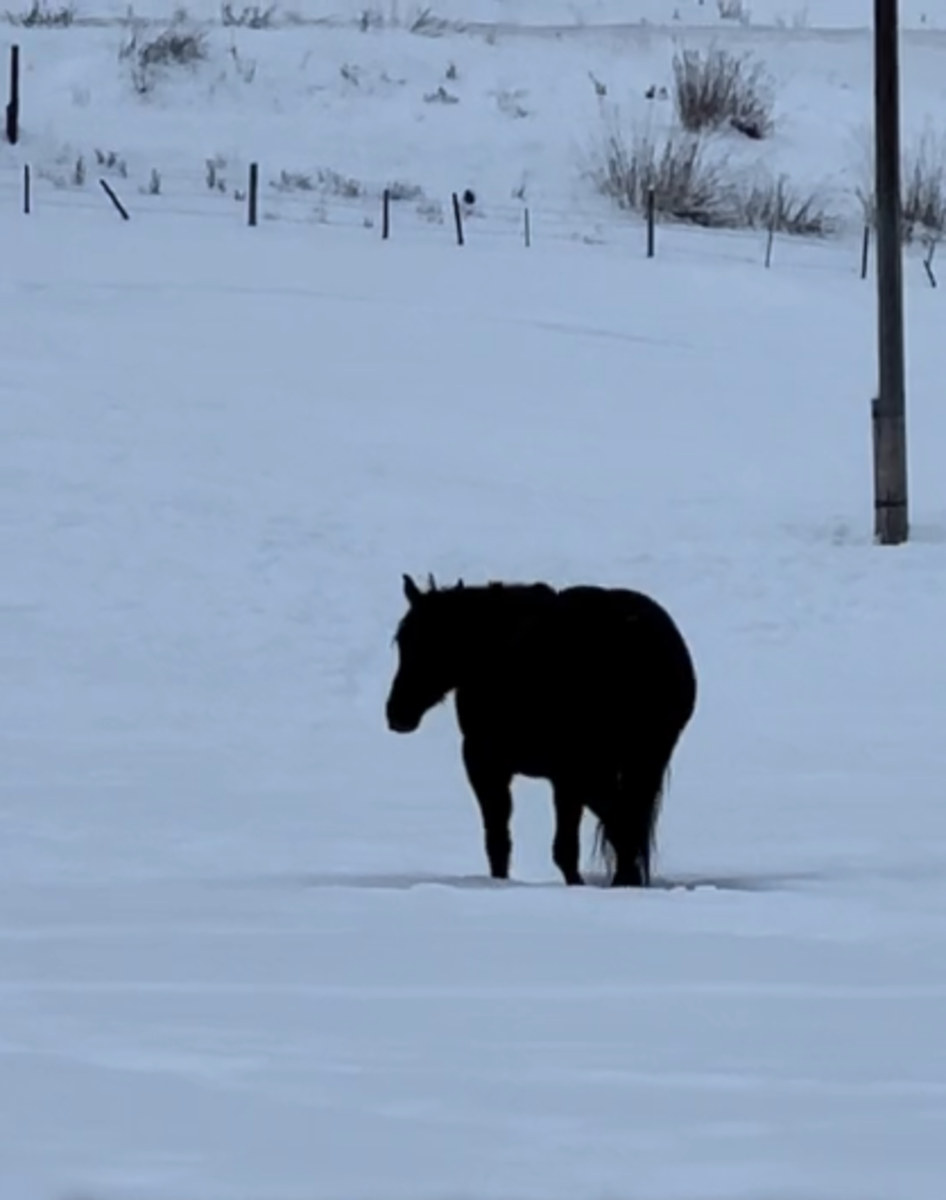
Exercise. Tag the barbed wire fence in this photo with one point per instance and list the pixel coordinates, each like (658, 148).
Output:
(250, 195)
(253, 195)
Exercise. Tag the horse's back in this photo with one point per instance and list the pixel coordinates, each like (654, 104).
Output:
(577, 673)
(620, 614)
(630, 641)
(614, 603)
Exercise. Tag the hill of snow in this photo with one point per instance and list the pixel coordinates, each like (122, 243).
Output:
(357, 97)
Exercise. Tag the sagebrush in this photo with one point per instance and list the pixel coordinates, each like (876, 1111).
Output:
(687, 185)
(248, 17)
(692, 185)
(718, 88)
(40, 15)
(179, 45)
(775, 204)
(922, 187)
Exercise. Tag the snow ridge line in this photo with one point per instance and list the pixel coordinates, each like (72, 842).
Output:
(552, 993)
(445, 26)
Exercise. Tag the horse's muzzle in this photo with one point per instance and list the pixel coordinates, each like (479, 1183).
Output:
(400, 723)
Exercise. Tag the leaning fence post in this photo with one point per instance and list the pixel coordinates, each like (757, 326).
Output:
(252, 195)
(928, 265)
(458, 219)
(865, 251)
(108, 190)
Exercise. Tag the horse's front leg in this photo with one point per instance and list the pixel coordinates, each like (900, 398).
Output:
(492, 785)
(566, 847)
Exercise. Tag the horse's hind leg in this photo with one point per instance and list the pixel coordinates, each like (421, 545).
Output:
(491, 785)
(566, 847)
(632, 858)
(630, 867)
(620, 842)
(630, 824)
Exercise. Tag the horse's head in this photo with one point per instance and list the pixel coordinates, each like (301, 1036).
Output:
(427, 643)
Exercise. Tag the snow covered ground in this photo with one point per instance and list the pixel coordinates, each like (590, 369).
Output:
(247, 946)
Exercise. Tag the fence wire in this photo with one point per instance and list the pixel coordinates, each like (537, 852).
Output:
(216, 193)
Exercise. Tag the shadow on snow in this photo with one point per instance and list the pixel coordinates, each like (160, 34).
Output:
(409, 880)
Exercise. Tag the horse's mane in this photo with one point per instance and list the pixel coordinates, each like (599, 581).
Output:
(490, 600)
(492, 587)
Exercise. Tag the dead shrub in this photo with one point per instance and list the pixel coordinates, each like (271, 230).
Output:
(719, 89)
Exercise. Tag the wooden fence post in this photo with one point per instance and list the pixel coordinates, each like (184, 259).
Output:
(252, 195)
(458, 219)
(651, 222)
(27, 190)
(13, 107)
(386, 214)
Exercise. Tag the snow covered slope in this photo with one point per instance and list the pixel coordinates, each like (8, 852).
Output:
(248, 949)
(350, 99)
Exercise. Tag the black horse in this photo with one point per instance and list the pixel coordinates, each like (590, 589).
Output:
(587, 687)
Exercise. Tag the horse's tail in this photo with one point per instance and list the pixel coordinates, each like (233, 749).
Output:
(603, 853)
(644, 824)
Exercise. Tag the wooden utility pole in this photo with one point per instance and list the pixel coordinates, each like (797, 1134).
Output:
(891, 523)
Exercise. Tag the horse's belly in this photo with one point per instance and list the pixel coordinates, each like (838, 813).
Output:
(542, 753)
(534, 766)
(538, 736)
(546, 762)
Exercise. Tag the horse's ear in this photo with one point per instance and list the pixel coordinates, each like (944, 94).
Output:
(411, 590)
(460, 585)
(431, 583)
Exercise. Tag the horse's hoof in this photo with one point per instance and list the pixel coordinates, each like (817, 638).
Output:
(628, 879)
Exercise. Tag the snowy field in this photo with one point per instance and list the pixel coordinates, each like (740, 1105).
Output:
(249, 950)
